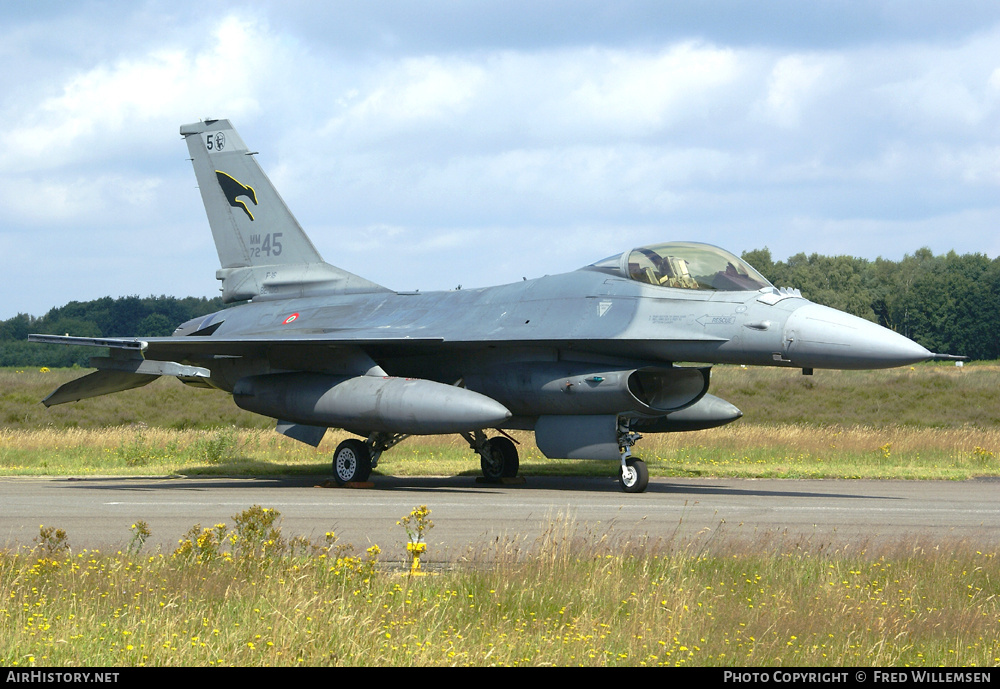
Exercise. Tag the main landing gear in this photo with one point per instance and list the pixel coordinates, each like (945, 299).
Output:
(497, 456)
(354, 459)
(352, 462)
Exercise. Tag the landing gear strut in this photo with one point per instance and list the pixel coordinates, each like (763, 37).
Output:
(634, 476)
(497, 456)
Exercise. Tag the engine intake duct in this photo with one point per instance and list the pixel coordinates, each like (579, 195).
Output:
(570, 388)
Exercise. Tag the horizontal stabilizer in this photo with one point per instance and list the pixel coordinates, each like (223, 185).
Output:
(96, 384)
(123, 370)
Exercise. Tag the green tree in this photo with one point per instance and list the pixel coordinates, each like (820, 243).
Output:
(155, 325)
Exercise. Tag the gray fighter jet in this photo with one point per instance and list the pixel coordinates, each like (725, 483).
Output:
(588, 359)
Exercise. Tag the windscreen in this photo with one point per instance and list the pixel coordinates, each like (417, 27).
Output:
(689, 265)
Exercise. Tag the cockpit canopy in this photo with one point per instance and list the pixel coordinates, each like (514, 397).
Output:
(685, 265)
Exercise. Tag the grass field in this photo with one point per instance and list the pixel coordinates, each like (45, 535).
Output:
(244, 593)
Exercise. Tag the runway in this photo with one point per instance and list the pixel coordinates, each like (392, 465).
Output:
(471, 517)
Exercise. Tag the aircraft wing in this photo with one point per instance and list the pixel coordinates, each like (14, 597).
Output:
(162, 348)
(132, 344)
(137, 362)
(179, 347)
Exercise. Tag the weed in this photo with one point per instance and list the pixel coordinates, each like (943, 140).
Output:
(140, 532)
(202, 545)
(257, 537)
(982, 456)
(417, 523)
(135, 451)
(223, 445)
(50, 542)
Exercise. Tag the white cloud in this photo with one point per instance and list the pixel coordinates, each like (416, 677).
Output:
(78, 200)
(881, 237)
(632, 91)
(112, 106)
(794, 83)
(421, 90)
(502, 98)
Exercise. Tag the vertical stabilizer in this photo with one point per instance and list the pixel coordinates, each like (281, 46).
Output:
(262, 248)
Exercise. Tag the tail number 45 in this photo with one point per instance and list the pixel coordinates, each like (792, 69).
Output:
(267, 244)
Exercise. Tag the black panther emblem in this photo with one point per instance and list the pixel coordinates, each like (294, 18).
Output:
(233, 189)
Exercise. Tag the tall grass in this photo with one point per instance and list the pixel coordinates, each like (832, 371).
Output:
(798, 451)
(738, 450)
(249, 597)
(165, 403)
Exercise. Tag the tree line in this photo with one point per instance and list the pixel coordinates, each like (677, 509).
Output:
(948, 303)
(105, 317)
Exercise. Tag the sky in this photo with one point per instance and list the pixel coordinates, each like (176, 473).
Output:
(426, 145)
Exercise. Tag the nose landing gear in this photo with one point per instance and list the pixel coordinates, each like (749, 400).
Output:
(634, 476)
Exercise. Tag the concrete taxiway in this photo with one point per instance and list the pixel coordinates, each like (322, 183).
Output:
(471, 517)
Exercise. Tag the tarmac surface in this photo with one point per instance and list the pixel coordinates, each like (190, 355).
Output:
(473, 519)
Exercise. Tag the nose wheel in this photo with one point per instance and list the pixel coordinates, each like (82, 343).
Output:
(634, 476)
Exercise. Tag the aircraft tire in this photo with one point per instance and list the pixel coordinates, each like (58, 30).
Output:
(498, 459)
(352, 462)
(634, 476)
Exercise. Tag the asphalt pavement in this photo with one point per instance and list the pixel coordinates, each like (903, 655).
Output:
(473, 519)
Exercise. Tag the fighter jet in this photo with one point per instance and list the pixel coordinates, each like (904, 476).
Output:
(588, 360)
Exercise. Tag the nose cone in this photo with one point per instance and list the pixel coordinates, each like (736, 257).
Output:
(820, 337)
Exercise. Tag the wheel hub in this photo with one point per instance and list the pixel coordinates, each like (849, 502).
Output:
(628, 475)
(346, 464)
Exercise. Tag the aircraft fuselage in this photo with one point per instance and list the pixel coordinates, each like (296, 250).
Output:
(584, 315)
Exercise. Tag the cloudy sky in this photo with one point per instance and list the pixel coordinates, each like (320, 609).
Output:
(425, 145)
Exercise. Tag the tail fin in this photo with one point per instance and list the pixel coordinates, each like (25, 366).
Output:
(262, 248)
